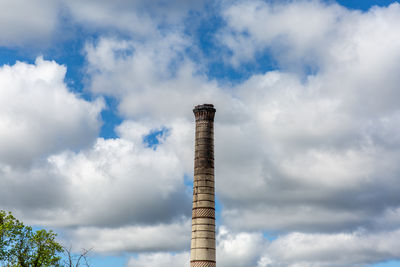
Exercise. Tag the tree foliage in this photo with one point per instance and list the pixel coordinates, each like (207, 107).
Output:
(20, 246)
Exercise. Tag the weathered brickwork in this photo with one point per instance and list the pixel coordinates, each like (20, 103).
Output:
(203, 213)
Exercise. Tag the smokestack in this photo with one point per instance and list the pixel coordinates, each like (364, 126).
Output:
(203, 212)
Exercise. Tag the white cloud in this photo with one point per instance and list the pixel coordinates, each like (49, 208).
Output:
(39, 115)
(117, 187)
(142, 75)
(312, 34)
(315, 148)
(118, 182)
(295, 30)
(37, 23)
(103, 14)
(25, 21)
(293, 152)
(343, 249)
(160, 260)
(233, 250)
(137, 18)
(312, 153)
(292, 250)
(312, 163)
(162, 237)
(239, 249)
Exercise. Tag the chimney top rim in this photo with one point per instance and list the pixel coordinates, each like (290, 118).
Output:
(204, 107)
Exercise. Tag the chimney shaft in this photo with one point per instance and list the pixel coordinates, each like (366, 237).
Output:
(203, 212)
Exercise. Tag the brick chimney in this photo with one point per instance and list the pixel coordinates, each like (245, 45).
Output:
(203, 212)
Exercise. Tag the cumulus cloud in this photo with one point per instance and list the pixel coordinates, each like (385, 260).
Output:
(117, 187)
(315, 155)
(57, 173)
(142, 75)
(38, 23)
(311, 155)
(160, 260)
(39, 115)
(233, 250)
(312, 34)
(295, 30)
(307, 156)
(138, 18)
(236, 249)
(114, 183)
(239, 249)
(294, 151)
(161, 237)
(24, 21)
(343, 249)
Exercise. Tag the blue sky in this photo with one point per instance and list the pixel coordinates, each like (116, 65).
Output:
(97, 129)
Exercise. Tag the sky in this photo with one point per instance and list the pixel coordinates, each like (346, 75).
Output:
(97, 129)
